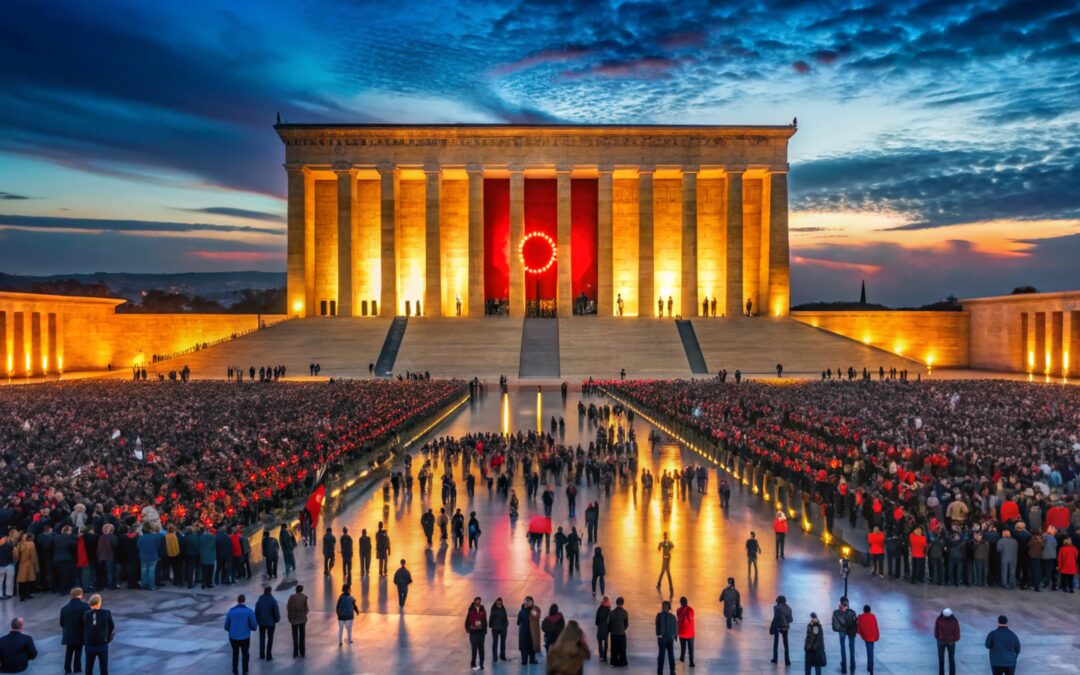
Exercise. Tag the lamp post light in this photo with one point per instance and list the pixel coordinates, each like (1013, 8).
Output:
(845, 567)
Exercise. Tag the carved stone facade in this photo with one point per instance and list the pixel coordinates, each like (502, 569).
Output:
(388, 220)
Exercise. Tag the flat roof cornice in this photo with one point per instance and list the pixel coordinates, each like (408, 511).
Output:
(297, 130)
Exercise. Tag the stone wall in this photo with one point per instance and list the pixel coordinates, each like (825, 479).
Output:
(51, 333)
(931, 338)
(1032, 332)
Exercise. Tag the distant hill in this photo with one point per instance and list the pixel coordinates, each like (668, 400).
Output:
(223, 288)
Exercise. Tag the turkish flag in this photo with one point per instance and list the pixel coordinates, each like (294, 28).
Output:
(314, 504)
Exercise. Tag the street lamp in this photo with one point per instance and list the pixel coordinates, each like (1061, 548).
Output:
(845, 567)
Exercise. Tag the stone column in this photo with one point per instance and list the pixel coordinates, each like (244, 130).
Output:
(346, 245)
(779, 265)
(646, 271)
(517, 231)
(734, 302)
(433, 269)
(388, 247)
(476, 241)
(563, 260)
(689, 243)
(605, 282)
(296, 262)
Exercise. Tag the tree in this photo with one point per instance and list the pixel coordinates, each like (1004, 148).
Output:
(98, 289)
(268, 301)
(1024, 289)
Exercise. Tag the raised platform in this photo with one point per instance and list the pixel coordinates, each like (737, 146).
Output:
(588, 347)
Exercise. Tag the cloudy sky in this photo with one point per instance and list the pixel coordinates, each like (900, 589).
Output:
(938, 151)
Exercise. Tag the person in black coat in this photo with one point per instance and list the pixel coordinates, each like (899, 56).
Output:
(224, 555)
(346, 552)
(328, 542)
(599, 570)
(71, 625)
(364, 544)
(98, 631)
(498, 622)
(618, 623)
(64, 558)
(270, 549)
(267, 615)
(17, 650)
(189, 548)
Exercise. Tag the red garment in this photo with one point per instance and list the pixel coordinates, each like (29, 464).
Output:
(685, 618)
(476, 619)
(867, 627)
(1067, 559)
(877, 542)
(779, 525)
(918, 545)
(237, 550)
(1010, 511)
(81, 559)
(1058, 517)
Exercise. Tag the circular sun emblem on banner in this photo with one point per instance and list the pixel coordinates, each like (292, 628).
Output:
(537, 252)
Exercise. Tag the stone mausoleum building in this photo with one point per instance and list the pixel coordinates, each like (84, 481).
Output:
(468, 220)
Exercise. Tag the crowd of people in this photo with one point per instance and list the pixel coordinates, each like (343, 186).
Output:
(958, 482)
(101, 478)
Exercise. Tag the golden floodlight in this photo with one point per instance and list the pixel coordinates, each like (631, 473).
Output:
(846, 551)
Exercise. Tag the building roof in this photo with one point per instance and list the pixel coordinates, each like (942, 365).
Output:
(12, 296)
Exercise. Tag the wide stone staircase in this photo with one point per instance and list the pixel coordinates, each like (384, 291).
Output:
(539, 349)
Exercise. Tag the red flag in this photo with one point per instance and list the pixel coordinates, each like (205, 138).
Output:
(314, 504)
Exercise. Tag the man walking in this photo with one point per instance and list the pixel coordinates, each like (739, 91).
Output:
(98, 631)
(239, 624)
(665, 548)
(618, 623)
(297, 611)
(427, 523)
(328, 542)
(364, 545)
(845, 624)
(781, 624)
(346, 553)
(345, 609)
(867, 628)
(753, 549)
(1004, 648)
(71, 625)
(382, 549)
(947, 634)
(267, 615)
(402, 579)
(666, 631)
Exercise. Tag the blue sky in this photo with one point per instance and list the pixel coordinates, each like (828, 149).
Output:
(937, 150)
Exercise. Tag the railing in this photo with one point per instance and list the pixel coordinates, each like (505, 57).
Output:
(199, 346)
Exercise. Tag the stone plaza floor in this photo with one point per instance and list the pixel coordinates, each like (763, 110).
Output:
(181, 631)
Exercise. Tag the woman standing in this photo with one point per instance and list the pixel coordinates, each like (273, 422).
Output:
(498, 622)
(476, 625)
(602, 614)
(685, 620)
(599, 570)
(781, 623)
(26, 559)
(815, 646)
(569, 653)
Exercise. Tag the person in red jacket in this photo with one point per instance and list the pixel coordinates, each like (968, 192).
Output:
(1067, 564)
(918, 555)
(1058, 517)
(1010, 511)
(868, 631)
(779, 525)
(685, 618)
(947, 634)
(876, 539)
(476, 625)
